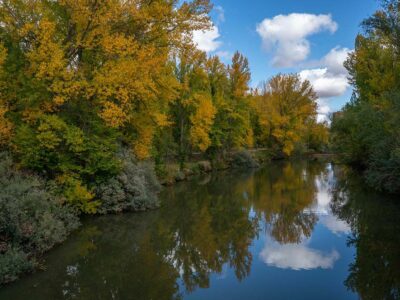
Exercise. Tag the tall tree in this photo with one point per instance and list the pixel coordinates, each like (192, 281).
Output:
(81, 77)
(366, 132)
(285, 108)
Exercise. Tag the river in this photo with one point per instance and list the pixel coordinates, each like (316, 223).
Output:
(290, 230)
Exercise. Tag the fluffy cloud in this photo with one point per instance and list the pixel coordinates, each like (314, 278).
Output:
(329, 79)
(287, 35)
(325, 83)
(334, 60)
(207, 40)
(297, 257)
(335, 225)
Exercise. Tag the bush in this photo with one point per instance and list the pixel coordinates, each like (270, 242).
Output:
(13, 263)
(135, 188)
(244, 159)
(32, 220)
(369, 137)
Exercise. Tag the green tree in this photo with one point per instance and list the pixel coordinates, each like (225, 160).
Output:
(366, 131)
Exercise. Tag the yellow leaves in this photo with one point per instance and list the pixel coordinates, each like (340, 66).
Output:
(113, 115)
(54, 132)
(77, 194)
(284, 108)
(288, 147)
(47, 57)
(142, 145)
(161, 119)
(31, 115)
(3, 55)
(202, 121)
(249, 139)
(119, 44)
(6, 127)
(239, 75)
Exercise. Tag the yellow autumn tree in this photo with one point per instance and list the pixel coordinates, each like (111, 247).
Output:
(5, 125)
(202, 120)
(193, 111)
(91, 72)
(285, 107)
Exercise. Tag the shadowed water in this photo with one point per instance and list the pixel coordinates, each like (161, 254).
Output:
(292, 230)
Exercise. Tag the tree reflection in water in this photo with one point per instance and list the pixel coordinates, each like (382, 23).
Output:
(281, 196)
(205, 226)
(375, 226)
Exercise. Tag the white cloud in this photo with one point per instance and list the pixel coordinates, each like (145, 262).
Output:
(323, 110)
(335, 225)
(322, 207)
(325, 83)
(297, 257)
(329, 79)
(207, 40)
(287, 35)
(335, 59)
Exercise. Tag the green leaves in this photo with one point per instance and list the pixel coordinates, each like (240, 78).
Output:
(367, 131)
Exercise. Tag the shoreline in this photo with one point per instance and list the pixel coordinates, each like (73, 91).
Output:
(172, 176)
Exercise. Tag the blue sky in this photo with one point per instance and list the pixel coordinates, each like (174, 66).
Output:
(281, 36)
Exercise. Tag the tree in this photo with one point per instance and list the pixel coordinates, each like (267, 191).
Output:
(286, 108)
(80, 78)
(366, 132)
(193, 111)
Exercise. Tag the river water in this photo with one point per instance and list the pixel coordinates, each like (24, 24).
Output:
(291, 230)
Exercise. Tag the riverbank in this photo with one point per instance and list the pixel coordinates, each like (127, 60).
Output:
(172, 172)
(34, 218)
(210, 237)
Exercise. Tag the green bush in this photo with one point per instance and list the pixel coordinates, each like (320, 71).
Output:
(135, 188)
(32, 220)
(244, 159)
(369, 137)
(13, 263)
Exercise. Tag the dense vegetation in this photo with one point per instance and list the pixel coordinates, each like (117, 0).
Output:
(367, 131)
(32, 220)
(93, 92)
(97, 96)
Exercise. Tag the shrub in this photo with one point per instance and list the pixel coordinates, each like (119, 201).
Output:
(32, 220)
(244, 159)
(135, 188)
(13, 263)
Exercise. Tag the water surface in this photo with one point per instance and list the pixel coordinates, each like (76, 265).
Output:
(291, 230)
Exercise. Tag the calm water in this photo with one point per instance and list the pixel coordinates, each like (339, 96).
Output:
(301, 230)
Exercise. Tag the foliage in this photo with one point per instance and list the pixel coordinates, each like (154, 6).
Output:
(135, 188)
(12, 264)
(81, 79)
(32, 220)
(374, 273)
(367, 131)
(78, 78)
(244, 159)
(286, 113)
